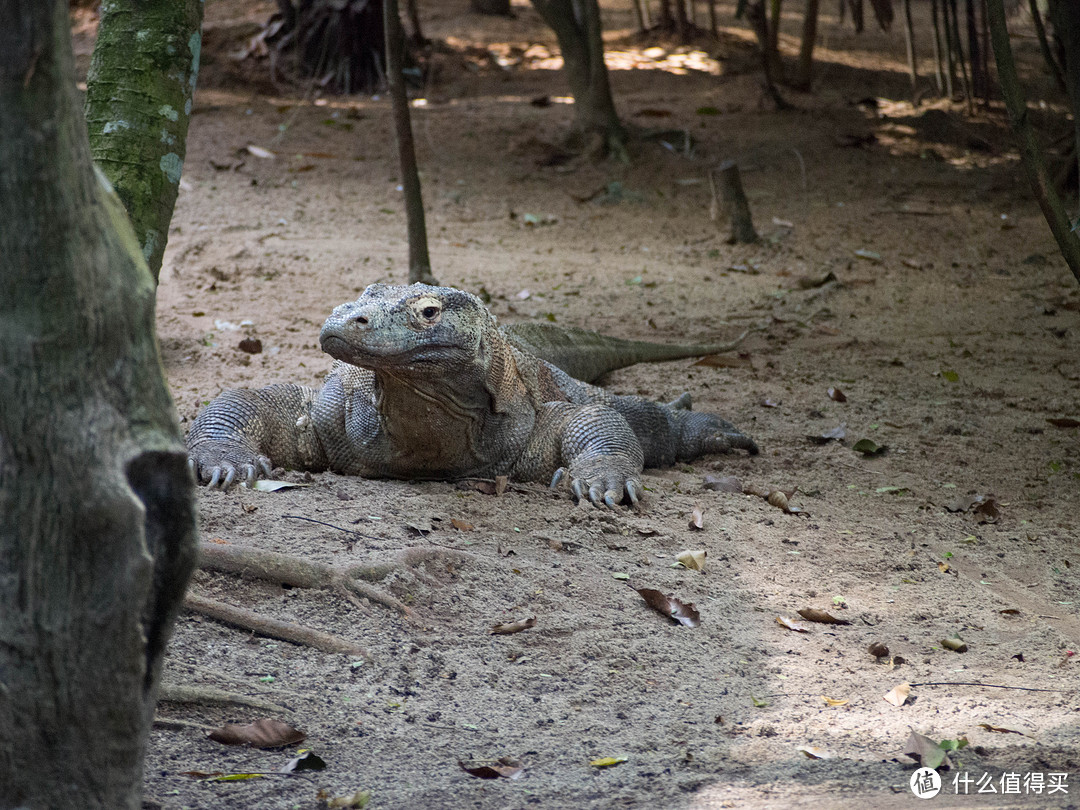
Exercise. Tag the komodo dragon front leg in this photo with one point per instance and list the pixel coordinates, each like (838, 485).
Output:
(245, 433)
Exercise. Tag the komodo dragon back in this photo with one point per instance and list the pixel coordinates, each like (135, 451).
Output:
(588, 356)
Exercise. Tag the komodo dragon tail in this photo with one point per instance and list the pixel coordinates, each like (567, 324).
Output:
(588, 355)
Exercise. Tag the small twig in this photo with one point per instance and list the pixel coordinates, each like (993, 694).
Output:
(332, 526)
(988, 685)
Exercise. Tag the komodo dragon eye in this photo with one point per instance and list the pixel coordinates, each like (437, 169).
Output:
(429, 312)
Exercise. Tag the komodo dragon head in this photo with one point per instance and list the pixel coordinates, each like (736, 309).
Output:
(410, 330)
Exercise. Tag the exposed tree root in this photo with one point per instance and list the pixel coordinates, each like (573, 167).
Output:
(212, 696)
(353, 582)
(274, 628)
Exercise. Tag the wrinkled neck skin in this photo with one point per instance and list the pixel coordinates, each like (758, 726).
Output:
(457, 421)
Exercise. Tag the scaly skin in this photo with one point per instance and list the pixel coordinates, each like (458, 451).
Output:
(426, 386)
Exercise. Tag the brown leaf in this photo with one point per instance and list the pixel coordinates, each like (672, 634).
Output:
(250, 345)
(954, 644)
(727, 483)
(682, 612)
(726, 361)
(265, 733)
(835, 701)
(898, 695)
(1064, 422)
(461, 525)
(697, 518)
(505, 768)
(513, 627)
(879, 650)
(987, 509)
(501, 483)
(820, 616)
(790, 624)
(836, 395)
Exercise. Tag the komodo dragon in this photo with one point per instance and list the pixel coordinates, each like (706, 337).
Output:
(427, 386)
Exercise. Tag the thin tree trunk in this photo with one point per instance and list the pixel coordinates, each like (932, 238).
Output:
(776, 66)
(804, 69)
(714, 28)
(909, 44)
(576, 24)
(98, 534)
(939, 78)
(954, 22)
(680, 20)
(1044, 45)
(138, 103)
(413, 14)
(978, 80)
(419, 260)
(639, 16)
(1052, 207)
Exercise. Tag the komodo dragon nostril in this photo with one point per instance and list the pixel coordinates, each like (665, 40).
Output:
(361, 319)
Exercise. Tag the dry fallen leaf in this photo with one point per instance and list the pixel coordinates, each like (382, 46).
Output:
(461, 525)
(820, 616)
(726, 361)
(814, 752)
(265, 733)
(1064, 422)
(835, 701)
(954, 644)
(694, 560)
(697, 518)
(682, 612)
(513, 627)
(259, 152)
(607, 762)
(501, 483)
(898, 695)
(879, 650)
(505, 768)
(836, 395)
(835, 434)
(790, 624)
(925, 751)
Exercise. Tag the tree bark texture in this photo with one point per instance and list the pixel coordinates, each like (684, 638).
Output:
(1065, 15)
(576, 24)
(804, 69)
(97, 523)
(138, 103)
(419, 260)
(1052, 207)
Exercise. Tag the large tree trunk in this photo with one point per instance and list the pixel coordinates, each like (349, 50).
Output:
(577, 26)
(97, 536)
(138, 103)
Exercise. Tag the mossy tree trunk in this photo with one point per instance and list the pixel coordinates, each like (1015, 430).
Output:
(138, 103)
(97, 537)
(576, 24)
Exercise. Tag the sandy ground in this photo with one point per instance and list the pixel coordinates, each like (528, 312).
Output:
(951, 326)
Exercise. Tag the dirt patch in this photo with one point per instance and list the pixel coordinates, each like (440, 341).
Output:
(951, 326)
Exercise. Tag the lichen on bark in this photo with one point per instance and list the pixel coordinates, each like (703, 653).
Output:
(138, 103)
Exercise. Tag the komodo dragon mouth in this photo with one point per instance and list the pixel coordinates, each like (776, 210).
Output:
(376, 355)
